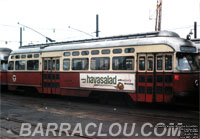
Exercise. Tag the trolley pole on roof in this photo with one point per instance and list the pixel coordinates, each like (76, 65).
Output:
(158, 15)
(47, 38)
(80, 31)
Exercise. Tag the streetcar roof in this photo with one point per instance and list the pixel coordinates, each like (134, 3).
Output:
(4, 53)
(4, 49)
(153, 38)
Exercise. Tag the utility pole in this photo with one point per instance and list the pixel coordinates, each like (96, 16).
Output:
(195, 30)
(20, 42)
(158, 15)
(97, 25)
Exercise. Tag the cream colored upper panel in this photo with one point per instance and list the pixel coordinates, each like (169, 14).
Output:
(52, 54)
(153, 49)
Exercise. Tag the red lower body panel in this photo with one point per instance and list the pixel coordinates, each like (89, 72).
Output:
(186, 84)
(150, 87)
(3, 78)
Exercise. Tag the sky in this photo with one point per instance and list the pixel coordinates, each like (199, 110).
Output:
(52, 18)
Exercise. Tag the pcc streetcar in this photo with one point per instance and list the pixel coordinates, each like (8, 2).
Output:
(147, 67)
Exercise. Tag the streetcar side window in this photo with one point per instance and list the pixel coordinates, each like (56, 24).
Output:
(107, 51)
(12, 57)
(129, 50)
(66, 54)
(32, 64)
(100, 63)
(57, 64)
(80, 63)
(23, 56)
(142, 63)
(150, 63)
(159, 63)
(53, 64)
(95, 52)
(45, 64)
(168, 62)
(123, 63)
(83, 53)
(36, 55)
(117, 51)
(29, 56)
(17, 56)
(11, 65)
(20, 65)
(75, 53)
(66, 64)
(49, 64)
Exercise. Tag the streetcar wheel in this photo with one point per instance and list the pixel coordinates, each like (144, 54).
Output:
(128, 100)
(103, 98)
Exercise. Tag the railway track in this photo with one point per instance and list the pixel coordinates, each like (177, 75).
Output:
(85, 105)
(89, 109)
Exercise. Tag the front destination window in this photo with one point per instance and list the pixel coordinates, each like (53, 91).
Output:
(187, 62)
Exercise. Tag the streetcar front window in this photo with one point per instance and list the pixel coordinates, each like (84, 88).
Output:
(187, 62)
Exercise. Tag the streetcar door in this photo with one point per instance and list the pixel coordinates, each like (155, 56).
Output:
(155, 77)
(164, 78)
(145, 78)
(51, 76)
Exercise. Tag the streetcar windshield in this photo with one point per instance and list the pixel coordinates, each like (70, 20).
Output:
(187, 62)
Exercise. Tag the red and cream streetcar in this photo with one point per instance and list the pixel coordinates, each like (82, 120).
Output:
(148, 67)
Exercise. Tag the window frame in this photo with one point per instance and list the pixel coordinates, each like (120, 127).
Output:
(124, 58)
(93, 52)
(113, 51)
(68, 66)
(150, 57)
(17, 56)
(57, 64)
(75, 53)
(17, 69)
(36, 55)
(13, 65)
(87, 68)
(161, 56)
(97, 58)
(23, 56)
(85, 53)
(32, 69)
(29, 55)
(142, 56)
(104, 51)
(130, 49)
(171, 62)
(69, 54)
